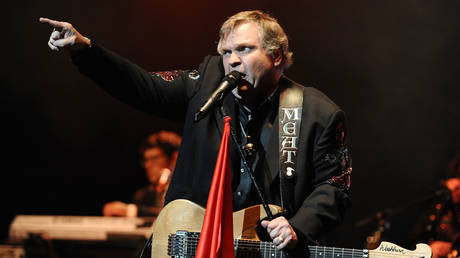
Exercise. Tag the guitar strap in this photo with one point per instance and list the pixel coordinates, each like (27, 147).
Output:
(290, 115)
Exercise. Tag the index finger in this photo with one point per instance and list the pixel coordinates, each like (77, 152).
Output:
(55, 24)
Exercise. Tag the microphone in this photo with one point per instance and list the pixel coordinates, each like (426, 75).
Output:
(229, 82)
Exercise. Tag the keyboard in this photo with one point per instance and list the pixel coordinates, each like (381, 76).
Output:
(92, 228)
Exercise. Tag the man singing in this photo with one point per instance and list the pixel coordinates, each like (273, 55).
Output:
(297, 151)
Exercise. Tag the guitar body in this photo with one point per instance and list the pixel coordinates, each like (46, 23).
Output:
(185, 215)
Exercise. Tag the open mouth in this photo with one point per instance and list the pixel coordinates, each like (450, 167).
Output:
(244, 85)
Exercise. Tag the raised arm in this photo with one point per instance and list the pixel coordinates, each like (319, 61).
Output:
(165, 94)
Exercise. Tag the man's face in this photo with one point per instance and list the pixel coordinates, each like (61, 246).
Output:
(243, 51)
(154, 161)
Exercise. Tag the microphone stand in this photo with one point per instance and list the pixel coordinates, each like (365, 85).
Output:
(250, 172)
(247, 168)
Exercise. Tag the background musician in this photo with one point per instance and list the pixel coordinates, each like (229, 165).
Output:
(159, 154)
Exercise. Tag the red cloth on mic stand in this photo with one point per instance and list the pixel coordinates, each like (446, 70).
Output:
(216, 239)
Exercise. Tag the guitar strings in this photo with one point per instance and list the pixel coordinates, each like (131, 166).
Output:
(269, 247)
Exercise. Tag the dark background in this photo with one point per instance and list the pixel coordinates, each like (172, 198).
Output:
(393, 66)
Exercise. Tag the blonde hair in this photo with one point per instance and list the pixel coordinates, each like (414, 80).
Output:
(271, 34)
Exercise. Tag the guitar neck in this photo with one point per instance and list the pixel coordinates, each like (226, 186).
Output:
(336, 252)
(385, 250)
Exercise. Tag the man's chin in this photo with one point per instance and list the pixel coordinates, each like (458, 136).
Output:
(244, 92)
(246, 97)
(243, 88)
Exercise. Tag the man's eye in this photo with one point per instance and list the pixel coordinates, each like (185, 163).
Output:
(244, 49)
(226, 53)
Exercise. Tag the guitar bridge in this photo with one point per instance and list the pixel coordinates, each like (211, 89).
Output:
(183, 244)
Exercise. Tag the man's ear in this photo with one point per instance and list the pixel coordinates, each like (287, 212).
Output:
(277, 57)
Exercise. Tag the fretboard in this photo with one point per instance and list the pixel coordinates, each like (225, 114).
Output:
(331, 252)
(246, 248)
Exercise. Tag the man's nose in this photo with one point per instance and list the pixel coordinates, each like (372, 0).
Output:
(234, 60)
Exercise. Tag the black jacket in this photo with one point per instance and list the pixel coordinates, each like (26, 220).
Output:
(319, 193)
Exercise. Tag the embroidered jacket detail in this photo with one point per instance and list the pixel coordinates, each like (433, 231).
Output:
(342, 156)
(194, 75)
(168, 76)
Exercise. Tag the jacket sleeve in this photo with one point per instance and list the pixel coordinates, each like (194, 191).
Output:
(325, 206)
(165, 94)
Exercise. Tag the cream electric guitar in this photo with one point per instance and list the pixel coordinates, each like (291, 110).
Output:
(176, 234)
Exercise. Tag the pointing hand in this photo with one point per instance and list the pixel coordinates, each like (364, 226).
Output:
(64, 35)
